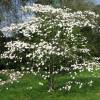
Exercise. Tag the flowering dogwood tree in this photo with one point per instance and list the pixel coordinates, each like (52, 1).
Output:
(53, 43)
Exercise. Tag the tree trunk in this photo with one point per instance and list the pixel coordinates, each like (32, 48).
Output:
(51, 80)
(51, 84)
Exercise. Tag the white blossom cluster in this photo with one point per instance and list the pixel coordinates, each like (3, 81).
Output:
(11, 75)
(69, 18)
(12, 47)
(30, 25)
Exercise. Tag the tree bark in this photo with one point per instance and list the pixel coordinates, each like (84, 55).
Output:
(51, 80)
(51, 84)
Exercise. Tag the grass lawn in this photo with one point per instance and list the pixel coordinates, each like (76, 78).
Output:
(28, 89)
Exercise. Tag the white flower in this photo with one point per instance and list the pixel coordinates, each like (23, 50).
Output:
(40, 83)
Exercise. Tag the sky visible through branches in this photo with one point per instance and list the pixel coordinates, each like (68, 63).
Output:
(97, 1)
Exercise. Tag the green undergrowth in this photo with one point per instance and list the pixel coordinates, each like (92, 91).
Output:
(27, 88)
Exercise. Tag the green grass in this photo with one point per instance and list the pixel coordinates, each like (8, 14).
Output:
(19, 91)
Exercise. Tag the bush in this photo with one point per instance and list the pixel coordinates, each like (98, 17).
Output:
(55, 42)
